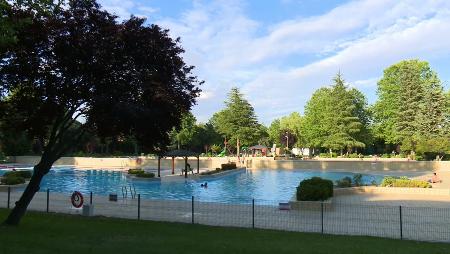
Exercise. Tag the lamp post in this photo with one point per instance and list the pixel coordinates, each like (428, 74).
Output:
(287, 140)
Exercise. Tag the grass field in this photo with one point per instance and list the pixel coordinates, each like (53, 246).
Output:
(55, 233)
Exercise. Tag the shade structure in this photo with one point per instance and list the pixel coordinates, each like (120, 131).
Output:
(261, 148)
(179, 153)
(257, 147)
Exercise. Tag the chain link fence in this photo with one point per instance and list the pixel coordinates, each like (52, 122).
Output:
(400, 222)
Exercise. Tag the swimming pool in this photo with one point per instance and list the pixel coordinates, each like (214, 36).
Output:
(240, 187)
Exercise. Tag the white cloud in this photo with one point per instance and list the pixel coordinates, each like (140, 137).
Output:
(359, 38)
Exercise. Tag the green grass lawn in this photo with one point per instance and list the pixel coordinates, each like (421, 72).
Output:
(55, 233)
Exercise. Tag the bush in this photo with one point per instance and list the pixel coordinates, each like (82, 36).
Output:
(353, 155)
(135, 171)
(228, 166)
(327, 155)
(344, 182)
(145, 174)
(2, 156)
(217, 170)
(390, 181)
(314, 189)
(357, 180)
(23, 173)
(12, 180)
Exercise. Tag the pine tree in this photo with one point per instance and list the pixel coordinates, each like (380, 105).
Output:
(411, 105)
(346, 123)
(432, 116)
(411, 98)
(238, 122)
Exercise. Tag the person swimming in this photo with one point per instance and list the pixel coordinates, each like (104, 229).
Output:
(204, 185)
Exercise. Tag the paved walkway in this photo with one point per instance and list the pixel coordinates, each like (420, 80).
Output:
(345, 216)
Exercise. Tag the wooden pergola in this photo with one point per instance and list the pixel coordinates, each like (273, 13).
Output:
(257, 147)
(179, 153)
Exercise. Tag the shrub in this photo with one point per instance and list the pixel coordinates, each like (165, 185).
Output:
(357, 180)
(327, 155)
(2, 156)
(404, 181)
(22, 173)
(228, 166)
(217, 170)
(314, 189)
(12, 180)
(135, 171)
(344, 182)
(145, 174)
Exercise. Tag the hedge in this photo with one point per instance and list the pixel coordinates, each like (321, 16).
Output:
(135, 171)
(344, 182)
(22, 173)
(390, 181)
(145, 175)
(315, 189)
(12, 180)
(228, 166)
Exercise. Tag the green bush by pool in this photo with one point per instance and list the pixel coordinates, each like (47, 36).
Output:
(22, 173)
(315, 189)
(15, 177)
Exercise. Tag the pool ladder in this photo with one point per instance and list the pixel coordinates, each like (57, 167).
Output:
(128, 189)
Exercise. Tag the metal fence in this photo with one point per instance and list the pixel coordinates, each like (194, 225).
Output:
(401, 222)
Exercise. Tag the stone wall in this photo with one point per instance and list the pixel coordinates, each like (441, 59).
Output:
(254, 163)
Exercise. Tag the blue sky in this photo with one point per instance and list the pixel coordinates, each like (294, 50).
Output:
(278, 52)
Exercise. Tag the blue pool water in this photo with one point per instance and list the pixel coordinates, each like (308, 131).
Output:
(261, 184)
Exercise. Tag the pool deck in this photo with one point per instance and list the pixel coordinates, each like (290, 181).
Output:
(372, 215)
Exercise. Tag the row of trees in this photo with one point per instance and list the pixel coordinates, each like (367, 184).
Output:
(412, 114)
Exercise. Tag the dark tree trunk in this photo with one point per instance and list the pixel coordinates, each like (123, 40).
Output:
(41, 169)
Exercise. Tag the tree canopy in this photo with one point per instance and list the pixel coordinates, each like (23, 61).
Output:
(238, 120)
(335, 117)
(77, 63)
(411, 104)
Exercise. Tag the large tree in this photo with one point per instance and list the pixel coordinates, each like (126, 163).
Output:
(410, 104)
(317, 120)
(291, 126)
(274, 131)
(237, 122)
(205, 137)
(344, 118)
(184, 135)
(79, 63)
(335, 117)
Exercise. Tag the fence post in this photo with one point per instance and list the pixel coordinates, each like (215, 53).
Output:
(401, 223)
(48, 198)
(253, 213)
(321, 217)
(9, 195)
(90, 199)
(139, 206)
(192, 210)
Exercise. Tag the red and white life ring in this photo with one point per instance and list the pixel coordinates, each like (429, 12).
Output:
(77, 199)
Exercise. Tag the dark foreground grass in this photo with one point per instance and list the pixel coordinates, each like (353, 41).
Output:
(56, 233)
